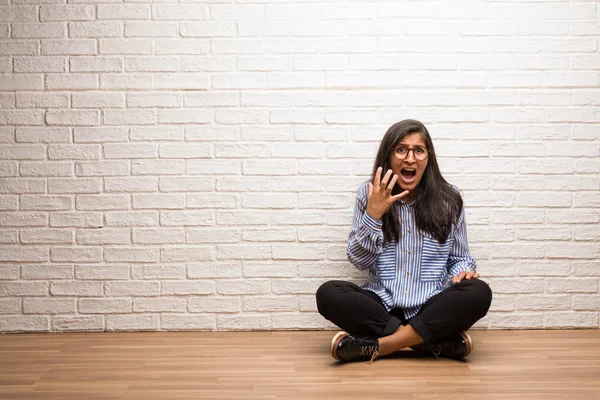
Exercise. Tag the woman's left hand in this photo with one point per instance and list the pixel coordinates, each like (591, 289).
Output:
(465, 275)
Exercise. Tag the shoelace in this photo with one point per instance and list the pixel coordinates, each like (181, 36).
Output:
(373, 357)
(436, 349)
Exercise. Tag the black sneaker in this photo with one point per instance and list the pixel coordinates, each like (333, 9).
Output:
(346, 347)
(456, 346)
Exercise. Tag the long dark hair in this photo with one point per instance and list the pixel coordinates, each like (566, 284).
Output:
(437, 204)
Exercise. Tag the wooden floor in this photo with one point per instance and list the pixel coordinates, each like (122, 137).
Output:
(291, 365)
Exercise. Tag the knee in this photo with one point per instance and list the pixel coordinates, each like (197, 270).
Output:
(482, 294)
(326, 296)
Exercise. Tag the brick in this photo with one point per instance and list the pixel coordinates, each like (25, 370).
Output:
(135, 254)
(50, 271)
(188, 322)
(76, 288)
(187, 288)
(129, 184)
(103, 236)
(24, 324)
(104, 306)
(43, 305)
(158, 167)
(131, 218)
(46, 236)
(76, 219)
(102, 202)
(212, 235)
(46, 168)
(217, 304)
(160, 271)
(215, 269)
(132, 322)
(132, 288)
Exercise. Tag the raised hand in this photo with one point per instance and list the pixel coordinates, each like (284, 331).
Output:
(380, 197)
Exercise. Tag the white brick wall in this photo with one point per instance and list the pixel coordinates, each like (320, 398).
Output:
(193, 166)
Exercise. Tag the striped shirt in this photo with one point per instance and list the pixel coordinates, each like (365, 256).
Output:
(406, 273)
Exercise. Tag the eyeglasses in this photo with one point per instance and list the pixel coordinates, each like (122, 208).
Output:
(420, 153)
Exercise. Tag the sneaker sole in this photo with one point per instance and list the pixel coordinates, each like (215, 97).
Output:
(334, 343)
(468, 341)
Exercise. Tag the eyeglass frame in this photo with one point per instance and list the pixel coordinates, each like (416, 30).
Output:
(409, 150)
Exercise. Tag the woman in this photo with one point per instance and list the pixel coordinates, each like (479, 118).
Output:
(409, 234)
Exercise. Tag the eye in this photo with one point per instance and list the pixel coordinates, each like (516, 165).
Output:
(419, 150)
(401, 150)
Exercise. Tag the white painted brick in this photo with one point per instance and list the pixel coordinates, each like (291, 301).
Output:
(132, 322)
(270, 201)
(325, 167)
(67, 13)
(82, 118)
(21, 117)
(270, 304)
(211, 200)
(104, 306)
(69, 47)
(181, 81)
(179, 47)
(131, 218)
(125, 46)
(246, 184)
(24, 324)
(159, 235)
(232, 217)
(150, 29)
(162, 304)
(20, 47)
(215, 269)
(22, 152)
(44, 305)
(207, 29)
(255, 63)
(126, 81)
(97, 100)
(243, 287)
(246, 12)
(244, 322)
(157, 167)
(74, 152)
(50, 271)
(269, 235)
(102, 202)
(330, 201)
(45, 202)
(238, 81)
(187, 288)
(132, 288)
(74, 185)
(160, 271)
(292, 12)
(212, 235)
(39, 64)
(188, 150)
(302, 251)
(95, 64)
(76, 288)
(129, 117)
(43, 135)
(183, 116)
(76, 254)
(243, 252)
(17, 219)
(270, 270)
(76, 219)
(42, 236)
(517, 250)
(207, 63)
(102, 168)
(149, 184)
(188, 322)
(158, 201)
(135, 254)
(187, 254)
(10, 306)
(542, 302)
(153, 99)
(209, 167)
(125, 11)
(186, 218)
(9, 203)
(100, 134)
(179, 12)
(103, 236)
(9, 236)
(571, 320)
(265, 167)
(219, 304)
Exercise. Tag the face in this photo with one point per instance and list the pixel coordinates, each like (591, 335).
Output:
(410, 169)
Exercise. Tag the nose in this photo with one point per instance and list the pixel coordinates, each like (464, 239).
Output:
(410, 157)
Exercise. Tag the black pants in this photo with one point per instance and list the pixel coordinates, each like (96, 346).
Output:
(361, 312)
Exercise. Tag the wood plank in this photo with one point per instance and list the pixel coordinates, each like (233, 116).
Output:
(291, 365)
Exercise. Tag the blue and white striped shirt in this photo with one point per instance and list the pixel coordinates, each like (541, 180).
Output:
(406, 273)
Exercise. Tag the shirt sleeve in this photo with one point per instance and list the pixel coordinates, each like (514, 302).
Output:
(460, 259)
(365, 242)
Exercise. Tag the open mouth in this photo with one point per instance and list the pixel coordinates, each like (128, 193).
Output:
(408, 174)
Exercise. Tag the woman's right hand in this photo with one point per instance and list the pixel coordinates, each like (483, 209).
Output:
(380, 197)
